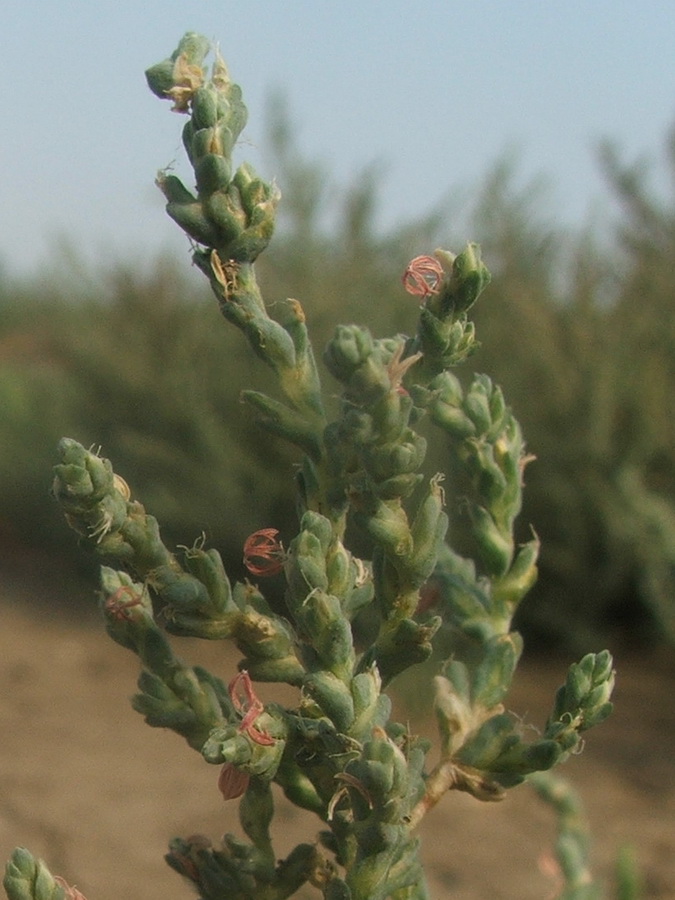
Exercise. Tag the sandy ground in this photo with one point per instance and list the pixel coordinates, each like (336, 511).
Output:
(85, 784)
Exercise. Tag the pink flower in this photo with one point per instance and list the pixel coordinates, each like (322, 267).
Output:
(232, 782)
(422, 276)
(263, 553)
(117, 608)
(246, 702)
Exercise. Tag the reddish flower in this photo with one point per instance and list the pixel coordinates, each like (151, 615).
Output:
(246, 702)
(263, 553)
(119, 609)
(422, 276)
(232, 782)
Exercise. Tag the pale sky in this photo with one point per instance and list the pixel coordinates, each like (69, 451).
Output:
(435, 91)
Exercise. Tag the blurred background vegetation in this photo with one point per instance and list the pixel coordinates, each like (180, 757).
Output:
(579, 330)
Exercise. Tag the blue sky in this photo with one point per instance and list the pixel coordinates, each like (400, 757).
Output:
(434, 91)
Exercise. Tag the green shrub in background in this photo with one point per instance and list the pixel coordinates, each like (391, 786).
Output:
(137, 370)
(593, 385)
(134, 364)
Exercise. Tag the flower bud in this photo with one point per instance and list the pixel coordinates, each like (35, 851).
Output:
(509, 590)
(81, 474)
(229, 224)
(428, 531)
(349, 348)
(483, 746)
(444, 342)
(476, 403)
(229, 744)
(496, 546)
(452, 420)
(444, 398)
(212, 173)
(493, 676)
(28, 878)
(193, 222)
(333, 697)
(258, 231)
(329, 632)
(186, 210)
(452, 706)
(371, 708)
(182, 592)
(382, 769)
(410, 643)
(396, 458)
(387, 523)
(305, 567)
(584, 698)
(279, 669)
(205, 111)
(465, 279)
(160, 78)
(236, 112)
(341, 570)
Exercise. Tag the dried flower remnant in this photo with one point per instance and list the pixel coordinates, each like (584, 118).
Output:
(225, 273)
(398, 367)
(71, 893)
(342, 792)
(422, 276)
(248, 704)
(121, 486)
(187, 79)
(264, 553)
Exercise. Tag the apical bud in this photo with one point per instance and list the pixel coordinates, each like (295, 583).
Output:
(205, 111)
(212, 173)
(349, 348)
(466, 277)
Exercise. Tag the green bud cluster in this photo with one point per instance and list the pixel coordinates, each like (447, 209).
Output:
(27, 878)
(373, 443)
(583, 701)
(231, 218)
(472, 605)
(232, 214)
(188, 700)
(317, 611)
(197, 598)
(230, 744)
(445, 335)
(239, 871)
(484, 747)
(382, 787)
(377, 455)
(490, 447)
